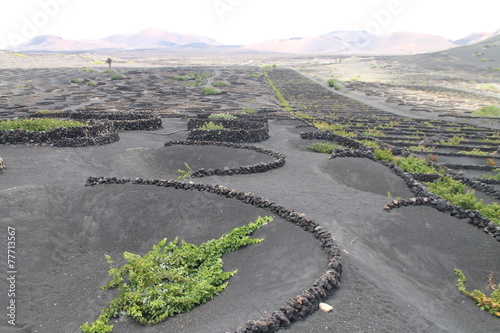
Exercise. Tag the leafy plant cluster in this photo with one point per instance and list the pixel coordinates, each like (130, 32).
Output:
(249, 111)
(185, 174)
(210, 91)
(38, 124)
(220, 84)
(453, 141)
(303, 115)
(421, 148)
(323, 147)
(211, 126)
(490, 304)
(474, 151)
(172, 278)
(336, 84)
(408, 164)
(374, 132)
(370, 143)
(322, 126)
(496, 176)
(199, 79)
(456, 193)
(487, 111)
(222, 116)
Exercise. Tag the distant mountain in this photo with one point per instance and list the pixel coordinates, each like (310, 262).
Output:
(302, 45)
(404, 43)
(153, 38)
(355, 38)
(473, 38)
(55, 43)
(146, 39)
(342, 42)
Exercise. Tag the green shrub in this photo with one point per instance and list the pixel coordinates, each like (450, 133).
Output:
(76, 80)
(38, 124)
(487, 111)
(220, 84)
(384, 154)
(88, 70)
(374, 132)
(453, 141)
(370, 143)
(303, 115)
(322, 126)
(222, 116)
(97, 62)
(256, 75)
(490, 304)
(323, 147)
(250, 111)
(421, 148)
(496, 176)
(456, 193)
(185, 174)
(210, 91)
(415, 165)
(20, 55)
(172, 278)
(109, 71)
(474, 151)
(117, 76)
(92, 83)
(336, 84)
(211, 126)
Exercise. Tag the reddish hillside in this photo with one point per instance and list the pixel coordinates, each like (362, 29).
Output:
(404, 43)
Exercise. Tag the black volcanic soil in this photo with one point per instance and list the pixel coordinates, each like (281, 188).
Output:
(398, 267)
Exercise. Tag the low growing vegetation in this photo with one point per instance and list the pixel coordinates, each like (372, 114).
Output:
(211, 126)
(323, 147)
(250, 111)
(210, 91)
(408, 164)
(172, 278)
(222, 116)
(39, 124)
(220, 84)
(490, 304)
(456, 193)
(336, 84)
(487, 111)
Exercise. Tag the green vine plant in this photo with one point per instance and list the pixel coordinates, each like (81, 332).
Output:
(172, 278)
(185, 174)
(490, 304)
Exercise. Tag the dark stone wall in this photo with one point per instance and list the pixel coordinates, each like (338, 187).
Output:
(308, 300)
(248, 169)
(240, 130)
(414, 181)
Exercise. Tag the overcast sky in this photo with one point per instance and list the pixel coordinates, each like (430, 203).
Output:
(242, 21)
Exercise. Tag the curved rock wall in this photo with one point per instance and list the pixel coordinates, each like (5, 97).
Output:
(240, 130)
(256, 168)
(294, 309)
(414, 182)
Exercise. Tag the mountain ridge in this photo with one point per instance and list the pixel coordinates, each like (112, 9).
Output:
(338, 41)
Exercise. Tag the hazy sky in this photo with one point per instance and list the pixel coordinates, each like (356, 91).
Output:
(242, 21)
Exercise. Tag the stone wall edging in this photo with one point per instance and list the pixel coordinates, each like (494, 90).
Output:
(295, 309)
(2, 165)
(239, 130)
(416, 187)
(248, 169)
(95, 134)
